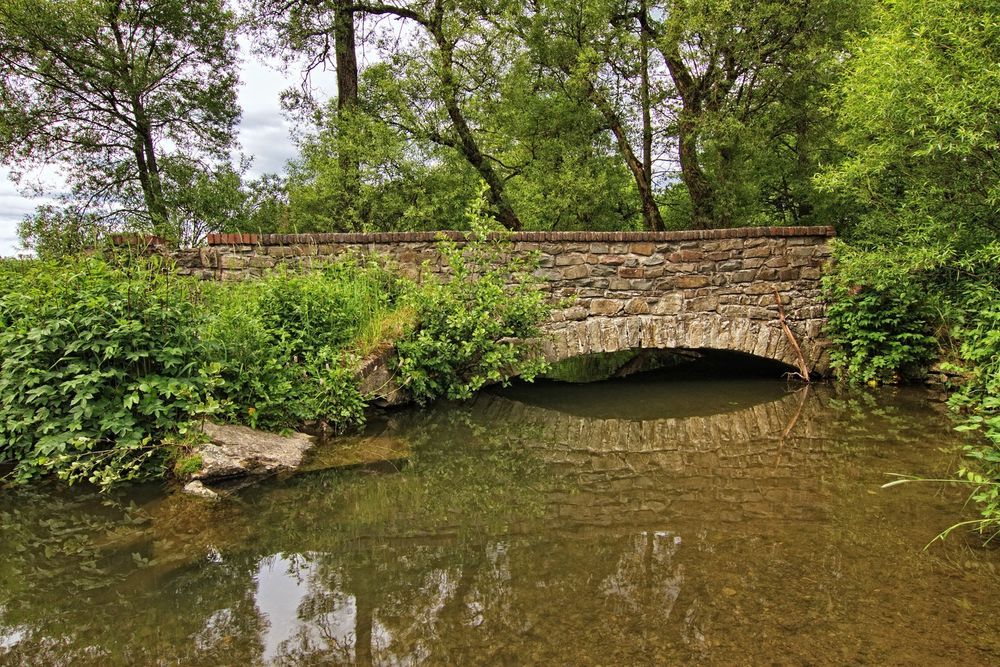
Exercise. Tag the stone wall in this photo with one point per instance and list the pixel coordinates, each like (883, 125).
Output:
(625, 290)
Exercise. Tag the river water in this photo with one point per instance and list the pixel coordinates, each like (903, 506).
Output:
(638, 522)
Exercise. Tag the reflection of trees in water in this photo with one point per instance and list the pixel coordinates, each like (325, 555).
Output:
(516, 533)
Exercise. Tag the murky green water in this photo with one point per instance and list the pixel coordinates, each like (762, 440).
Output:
(620, 523)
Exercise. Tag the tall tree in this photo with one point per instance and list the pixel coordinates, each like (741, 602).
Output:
(735, 66)
(317, 33)
(451, 32)
(101, 87)
(601, 50)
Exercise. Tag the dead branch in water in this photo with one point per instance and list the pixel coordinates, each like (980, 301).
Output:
(803, 366)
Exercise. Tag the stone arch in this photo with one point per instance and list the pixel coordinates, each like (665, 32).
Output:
(760, 338)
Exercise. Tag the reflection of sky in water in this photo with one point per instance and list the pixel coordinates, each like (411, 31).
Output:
(787, 552)
(10, 636)
(283, 585)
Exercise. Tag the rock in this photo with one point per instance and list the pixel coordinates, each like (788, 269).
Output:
(196, 488)
(237, 451)
(358, 452)
(379, 380)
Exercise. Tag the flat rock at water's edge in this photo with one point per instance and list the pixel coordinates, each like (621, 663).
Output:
(236, 451)
(357, 452)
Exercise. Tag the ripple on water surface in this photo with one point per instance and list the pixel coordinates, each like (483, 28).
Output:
(619, 523)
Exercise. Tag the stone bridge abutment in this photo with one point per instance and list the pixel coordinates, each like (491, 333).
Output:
(701, 289)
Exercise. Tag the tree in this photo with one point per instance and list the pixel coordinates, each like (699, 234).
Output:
(104, 87)
(456, 54)
(600, 51)
(918, 107)
(310, 29)
(748, 75)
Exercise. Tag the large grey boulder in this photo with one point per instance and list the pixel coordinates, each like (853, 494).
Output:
(238, 451)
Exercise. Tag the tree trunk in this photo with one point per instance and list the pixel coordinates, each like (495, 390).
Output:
(699, 188)
(647, 121)
(347, 99)
(651, 218)
(467, 143)
(143, 146)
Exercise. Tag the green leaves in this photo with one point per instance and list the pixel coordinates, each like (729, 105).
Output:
(474, 327)
(879, 318)
(99, 363)
(286, 343)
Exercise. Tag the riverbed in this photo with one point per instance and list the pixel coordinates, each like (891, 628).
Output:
(629, 522)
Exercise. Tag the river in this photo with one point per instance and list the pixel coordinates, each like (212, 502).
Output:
(627, 522)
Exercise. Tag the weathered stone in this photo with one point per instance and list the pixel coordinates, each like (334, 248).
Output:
(233, 262)
(691, 282)
(262, 262)
(685, 256)
(631, 272)
(605, 307)
(637, 306)
(575, 272)
(669, 304)
(568, 259)
(237, 451)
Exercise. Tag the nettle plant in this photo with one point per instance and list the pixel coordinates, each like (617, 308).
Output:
(475, 325)
(100, 364)
(878, 319)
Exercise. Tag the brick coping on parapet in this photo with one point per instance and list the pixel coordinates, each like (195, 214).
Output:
(527, 237)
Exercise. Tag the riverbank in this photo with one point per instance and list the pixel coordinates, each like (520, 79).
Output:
(109, 364)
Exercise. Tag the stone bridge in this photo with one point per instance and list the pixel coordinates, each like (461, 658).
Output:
(704, 289)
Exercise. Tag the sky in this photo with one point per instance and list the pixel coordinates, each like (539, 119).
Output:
(263, 135)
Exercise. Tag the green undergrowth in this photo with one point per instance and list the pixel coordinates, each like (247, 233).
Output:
(107, 365)
(893, 316)
(289, 343)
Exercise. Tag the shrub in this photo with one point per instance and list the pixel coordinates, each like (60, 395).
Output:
(878, 319)
(473, 325)
(286, 343)
(99, 364)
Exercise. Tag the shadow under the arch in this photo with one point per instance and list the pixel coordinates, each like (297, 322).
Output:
(681, 383)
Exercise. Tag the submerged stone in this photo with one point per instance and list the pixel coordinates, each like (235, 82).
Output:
(358, 453)
(196, 488)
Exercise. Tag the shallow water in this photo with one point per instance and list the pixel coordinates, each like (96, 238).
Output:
(618, 523)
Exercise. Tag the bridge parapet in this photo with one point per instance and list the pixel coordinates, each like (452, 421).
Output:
(696, 289)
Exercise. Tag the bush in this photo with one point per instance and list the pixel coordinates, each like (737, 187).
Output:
(99, 364)
(978, 397)
(286, 343)
(878, 319)
(473, 325)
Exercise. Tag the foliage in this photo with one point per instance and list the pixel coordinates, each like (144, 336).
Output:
(286, 341)
(473, 325)
(879, 319)
(977, 398)
(53, 231)
(104, 87)
(99, 364)
(917, 105)
(400, 184)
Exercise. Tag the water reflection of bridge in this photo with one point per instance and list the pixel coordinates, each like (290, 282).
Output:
(755, 461)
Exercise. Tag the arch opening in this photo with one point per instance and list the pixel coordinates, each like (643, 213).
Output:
(668, 365)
